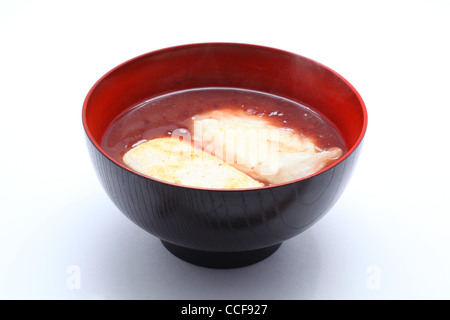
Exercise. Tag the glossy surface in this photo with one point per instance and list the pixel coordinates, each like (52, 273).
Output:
(232, 220)
(224, 220)
(159, 117)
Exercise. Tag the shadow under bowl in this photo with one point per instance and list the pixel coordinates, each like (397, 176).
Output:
(224, 228)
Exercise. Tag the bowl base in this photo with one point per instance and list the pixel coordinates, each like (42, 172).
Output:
(220, 260)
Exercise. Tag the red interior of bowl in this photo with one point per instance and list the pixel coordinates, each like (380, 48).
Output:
(225, 65)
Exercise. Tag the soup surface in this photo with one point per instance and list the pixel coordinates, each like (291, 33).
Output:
(269, 138)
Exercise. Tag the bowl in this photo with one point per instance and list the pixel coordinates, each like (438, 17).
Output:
(220, 228)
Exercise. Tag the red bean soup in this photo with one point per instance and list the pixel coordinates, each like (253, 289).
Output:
(159, 117)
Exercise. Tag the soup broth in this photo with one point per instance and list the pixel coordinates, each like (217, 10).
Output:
(182, 112)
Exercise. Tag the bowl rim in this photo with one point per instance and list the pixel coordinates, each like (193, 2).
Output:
(199, 44)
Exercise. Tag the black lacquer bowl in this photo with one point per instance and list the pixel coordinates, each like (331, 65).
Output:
(223, 228)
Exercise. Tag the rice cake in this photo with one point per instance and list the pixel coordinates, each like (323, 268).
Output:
(261, 150)
(178, 162)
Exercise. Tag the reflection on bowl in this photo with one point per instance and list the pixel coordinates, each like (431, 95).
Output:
(217, 227)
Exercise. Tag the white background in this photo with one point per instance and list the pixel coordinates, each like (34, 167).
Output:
(386, 238)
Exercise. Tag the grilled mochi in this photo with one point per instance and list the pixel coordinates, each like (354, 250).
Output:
(179, 162)
(254, 146)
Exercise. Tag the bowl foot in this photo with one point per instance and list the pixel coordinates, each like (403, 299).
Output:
(220, 260)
